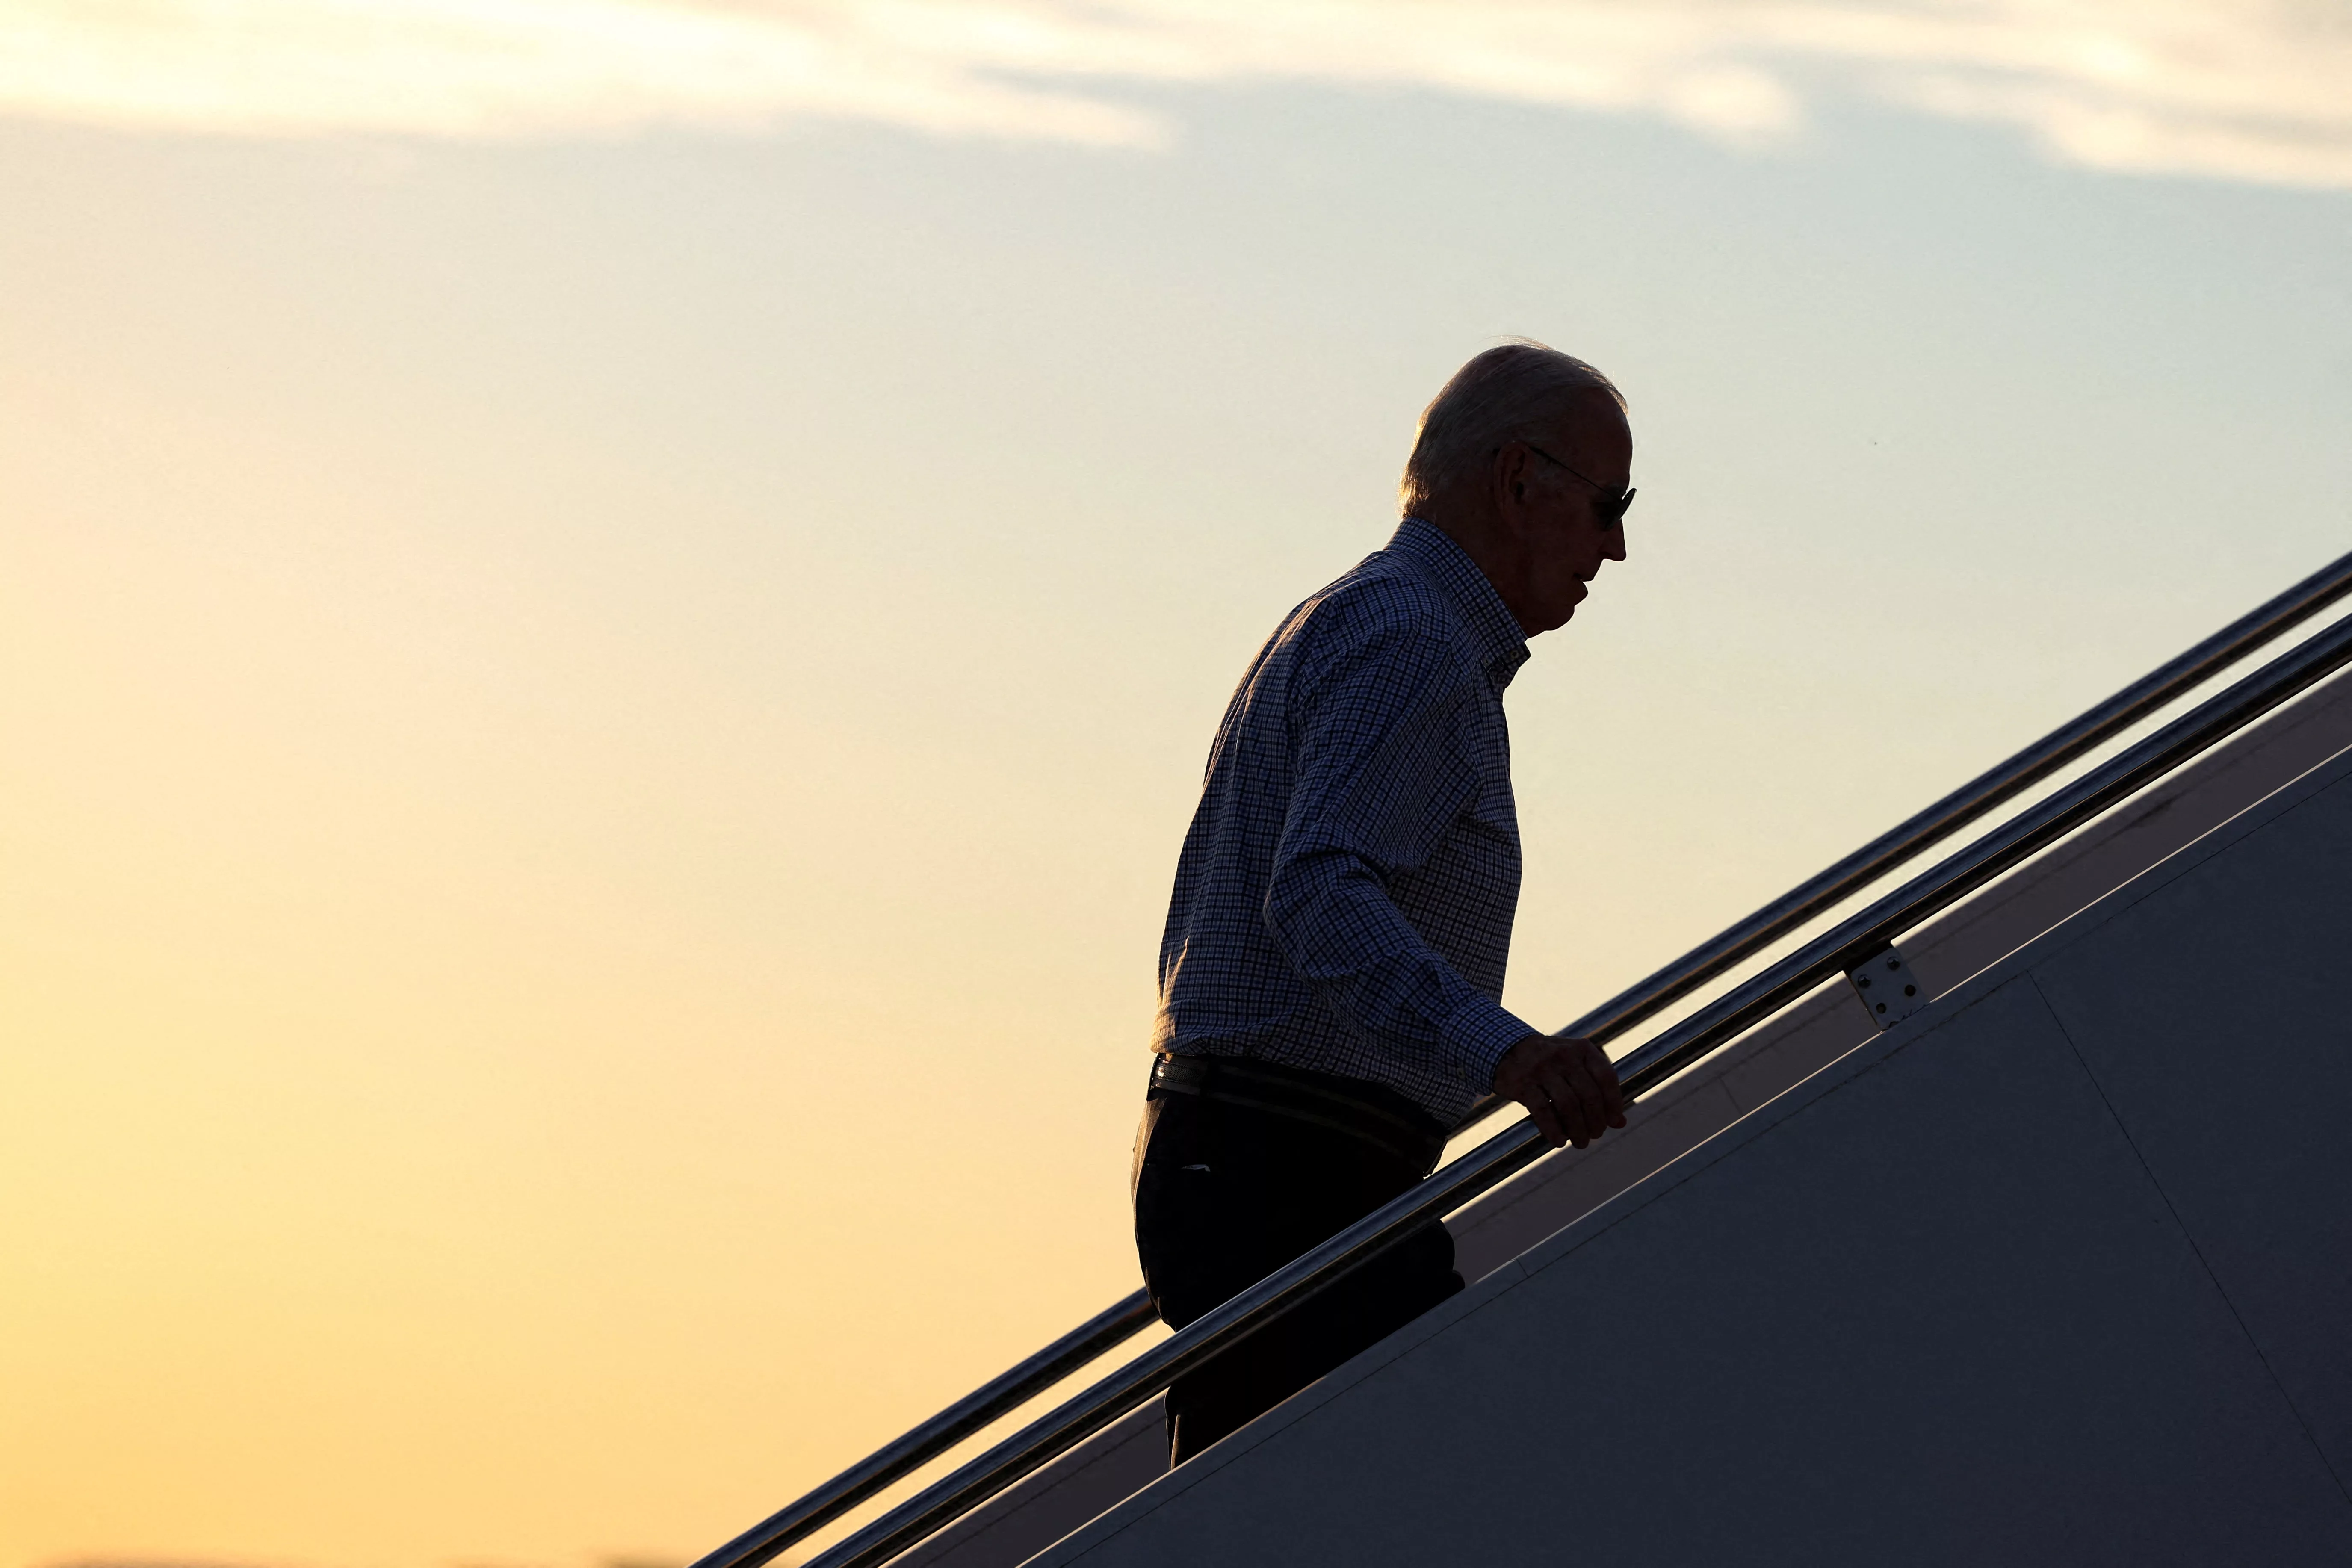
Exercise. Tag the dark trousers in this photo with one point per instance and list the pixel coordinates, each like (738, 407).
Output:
(1225, 1195)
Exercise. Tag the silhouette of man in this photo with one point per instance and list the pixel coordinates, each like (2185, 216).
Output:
(1331, 976)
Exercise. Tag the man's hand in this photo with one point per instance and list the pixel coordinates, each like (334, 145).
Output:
(1567, 1083)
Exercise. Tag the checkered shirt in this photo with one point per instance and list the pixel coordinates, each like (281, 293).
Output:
(1344, 898)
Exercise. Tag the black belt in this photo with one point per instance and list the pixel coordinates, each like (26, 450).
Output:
(1338, 1104)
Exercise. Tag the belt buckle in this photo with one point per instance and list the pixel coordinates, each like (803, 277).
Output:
(1179, 1075)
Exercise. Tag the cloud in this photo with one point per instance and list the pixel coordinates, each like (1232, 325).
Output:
(2235, 89)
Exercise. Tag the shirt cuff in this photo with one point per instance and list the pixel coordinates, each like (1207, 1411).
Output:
(1477, 1034)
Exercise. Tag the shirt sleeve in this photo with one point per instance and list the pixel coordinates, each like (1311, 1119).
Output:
(1381, 774)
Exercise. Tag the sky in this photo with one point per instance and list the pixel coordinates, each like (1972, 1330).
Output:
(610, 611)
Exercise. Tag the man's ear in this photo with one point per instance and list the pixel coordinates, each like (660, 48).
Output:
(1510, 472)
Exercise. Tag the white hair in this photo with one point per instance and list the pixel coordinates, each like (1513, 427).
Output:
(1506, 393)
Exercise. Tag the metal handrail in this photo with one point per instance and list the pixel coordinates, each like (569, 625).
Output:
(1642, 1000)
(1521, 1144)
(908, 1452)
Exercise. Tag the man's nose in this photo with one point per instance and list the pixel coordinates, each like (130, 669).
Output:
(1612, 543)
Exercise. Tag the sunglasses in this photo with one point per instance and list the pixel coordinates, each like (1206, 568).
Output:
(1608, 505)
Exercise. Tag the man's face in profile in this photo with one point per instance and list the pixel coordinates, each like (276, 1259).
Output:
(1566, 535)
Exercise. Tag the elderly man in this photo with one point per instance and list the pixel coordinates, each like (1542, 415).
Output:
(1331, 978)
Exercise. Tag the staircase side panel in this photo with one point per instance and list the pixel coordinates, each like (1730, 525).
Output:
(2239, 1095)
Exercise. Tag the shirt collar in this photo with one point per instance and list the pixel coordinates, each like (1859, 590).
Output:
(1501, 646)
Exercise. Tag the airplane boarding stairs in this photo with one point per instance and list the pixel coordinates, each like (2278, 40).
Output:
(2055, 1269)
